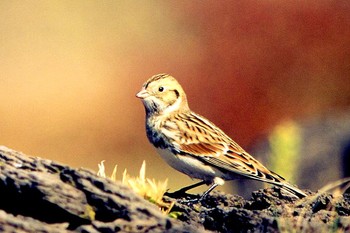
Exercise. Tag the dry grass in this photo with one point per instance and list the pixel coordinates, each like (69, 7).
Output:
(149, 189)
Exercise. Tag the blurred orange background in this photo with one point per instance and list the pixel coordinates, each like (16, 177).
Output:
(70, 71)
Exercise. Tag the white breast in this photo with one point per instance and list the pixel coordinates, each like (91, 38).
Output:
(188, 165)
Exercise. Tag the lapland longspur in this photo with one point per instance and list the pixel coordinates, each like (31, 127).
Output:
(195, 146)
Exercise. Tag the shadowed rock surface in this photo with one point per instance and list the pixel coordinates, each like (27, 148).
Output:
(39, 195)
(270, 211)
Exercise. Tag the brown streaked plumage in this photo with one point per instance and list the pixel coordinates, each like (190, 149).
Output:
(192, 144)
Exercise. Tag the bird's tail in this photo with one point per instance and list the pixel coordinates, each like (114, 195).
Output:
(281, 182)
(275, 179)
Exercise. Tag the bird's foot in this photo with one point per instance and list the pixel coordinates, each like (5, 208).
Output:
(184, 198)
(189, 201)
(193, 199)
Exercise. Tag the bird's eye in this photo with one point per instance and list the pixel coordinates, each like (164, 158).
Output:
(161, 89)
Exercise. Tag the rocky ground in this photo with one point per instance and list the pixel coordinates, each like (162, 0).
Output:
(269, 211)
(39, 195)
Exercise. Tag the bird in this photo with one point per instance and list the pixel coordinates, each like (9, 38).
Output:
(195, 146)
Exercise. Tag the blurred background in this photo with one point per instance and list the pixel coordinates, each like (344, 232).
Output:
(264, 71)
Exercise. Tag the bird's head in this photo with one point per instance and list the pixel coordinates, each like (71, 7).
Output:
(162, 94)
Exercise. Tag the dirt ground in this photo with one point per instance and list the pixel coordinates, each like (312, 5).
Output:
(268, 210)
(40, 195)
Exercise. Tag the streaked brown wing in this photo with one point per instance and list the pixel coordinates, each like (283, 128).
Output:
(211, 145)
(241, 164)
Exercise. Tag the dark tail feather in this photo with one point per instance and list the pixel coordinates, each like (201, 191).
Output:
(281, 182)
(293, 190)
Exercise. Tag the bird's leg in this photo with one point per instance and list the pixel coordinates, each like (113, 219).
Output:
(182, 191)
(195, 200)
(208, 191)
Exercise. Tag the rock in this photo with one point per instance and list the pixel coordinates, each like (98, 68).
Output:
(39, 195)
(270, 210)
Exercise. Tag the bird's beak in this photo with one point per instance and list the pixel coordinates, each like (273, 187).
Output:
(142, 94)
